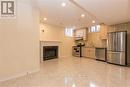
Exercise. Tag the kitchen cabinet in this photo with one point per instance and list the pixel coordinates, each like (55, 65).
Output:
(89, 52)
(80, 34)
(83, 51)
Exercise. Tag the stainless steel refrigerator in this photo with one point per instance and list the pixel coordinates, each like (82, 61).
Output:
(117, 48)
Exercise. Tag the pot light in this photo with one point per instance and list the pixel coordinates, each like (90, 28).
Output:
(93, 21)
(63, 4)
(82, 15)
(44, 19)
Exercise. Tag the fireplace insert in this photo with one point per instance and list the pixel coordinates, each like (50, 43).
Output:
(50, 52)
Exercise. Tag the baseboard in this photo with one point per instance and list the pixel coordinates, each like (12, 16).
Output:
(18, 75)
(33, 71)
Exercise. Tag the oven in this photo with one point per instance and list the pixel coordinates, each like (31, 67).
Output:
(77, 51)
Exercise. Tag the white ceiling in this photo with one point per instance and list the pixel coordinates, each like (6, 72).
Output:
(103, 11)
(108, 11)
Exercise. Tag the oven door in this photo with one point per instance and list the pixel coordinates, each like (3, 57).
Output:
(76, 51)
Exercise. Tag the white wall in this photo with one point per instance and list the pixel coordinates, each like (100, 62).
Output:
(19, 42)
(66, 46)
(56, 33)
(51, 32)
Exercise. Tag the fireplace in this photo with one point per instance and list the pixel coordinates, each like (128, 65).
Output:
(50, 52)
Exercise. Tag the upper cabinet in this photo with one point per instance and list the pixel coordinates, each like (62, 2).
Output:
(80, 34)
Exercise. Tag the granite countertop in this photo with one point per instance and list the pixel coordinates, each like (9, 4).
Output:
(101, 47)
(96, 47)
(88, 47)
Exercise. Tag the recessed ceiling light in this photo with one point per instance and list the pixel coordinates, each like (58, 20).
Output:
(44, 19)
(82, 15)
(93, 22)
(63, 4)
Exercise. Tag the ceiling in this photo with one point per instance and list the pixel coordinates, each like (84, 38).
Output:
(102, 11)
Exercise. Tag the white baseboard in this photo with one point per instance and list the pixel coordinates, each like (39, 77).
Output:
(18, 75)
(33, 71)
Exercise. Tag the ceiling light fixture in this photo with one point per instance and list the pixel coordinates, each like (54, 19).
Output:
(63, 4)
(93, 22)
(44, 19)
(82, 15)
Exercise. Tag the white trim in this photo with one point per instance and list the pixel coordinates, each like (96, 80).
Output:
(19, 75)
(34, 71)
(48, 43)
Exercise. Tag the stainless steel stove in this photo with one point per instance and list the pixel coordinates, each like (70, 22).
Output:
(77, 51)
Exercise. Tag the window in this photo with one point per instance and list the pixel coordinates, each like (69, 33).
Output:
(69, 32)
(95, 28)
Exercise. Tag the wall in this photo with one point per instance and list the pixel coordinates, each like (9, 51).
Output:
(19, 42)
(98, 39)
(128, 9)
(66, 45)
(94, 39)
(51, 32)
(56, 33)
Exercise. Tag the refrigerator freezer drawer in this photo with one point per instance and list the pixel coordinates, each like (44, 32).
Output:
(116, 58)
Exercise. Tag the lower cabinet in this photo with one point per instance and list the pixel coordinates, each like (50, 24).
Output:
(88, 52)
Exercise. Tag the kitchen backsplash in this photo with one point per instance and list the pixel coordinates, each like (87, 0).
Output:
(119, 27)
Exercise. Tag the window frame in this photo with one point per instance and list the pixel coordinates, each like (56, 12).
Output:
(95, 29)
(69, 32)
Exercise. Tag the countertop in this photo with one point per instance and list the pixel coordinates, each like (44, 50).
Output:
(101, 47)
(96, 47)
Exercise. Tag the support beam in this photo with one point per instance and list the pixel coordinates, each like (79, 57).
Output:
(85, 10)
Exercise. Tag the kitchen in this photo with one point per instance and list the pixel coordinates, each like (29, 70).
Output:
(91, 23)
(64, 43)
(94, 43)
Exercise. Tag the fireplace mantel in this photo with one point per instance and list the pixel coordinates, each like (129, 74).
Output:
(50, 43)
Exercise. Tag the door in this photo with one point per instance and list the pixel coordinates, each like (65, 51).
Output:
(116, 58)
(110, 42)
(121, 42)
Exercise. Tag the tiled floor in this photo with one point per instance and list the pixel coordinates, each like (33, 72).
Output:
(74, 72)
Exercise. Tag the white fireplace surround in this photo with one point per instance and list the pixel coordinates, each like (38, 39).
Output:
(48, 43)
